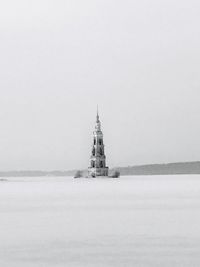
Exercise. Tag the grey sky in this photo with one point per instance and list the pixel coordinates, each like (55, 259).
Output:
(139, 60)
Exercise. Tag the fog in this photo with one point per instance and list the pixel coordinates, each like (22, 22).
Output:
(138, 60)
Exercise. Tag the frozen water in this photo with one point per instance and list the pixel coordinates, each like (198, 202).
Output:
(132, 221)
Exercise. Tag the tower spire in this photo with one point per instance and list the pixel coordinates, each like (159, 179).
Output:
(97, 113)
(98, 123)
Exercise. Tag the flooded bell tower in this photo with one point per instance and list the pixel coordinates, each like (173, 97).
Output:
(98, 158)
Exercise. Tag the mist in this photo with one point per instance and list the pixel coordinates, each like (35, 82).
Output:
(139, 61)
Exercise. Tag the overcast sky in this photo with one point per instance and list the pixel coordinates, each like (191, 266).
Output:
(139, 60)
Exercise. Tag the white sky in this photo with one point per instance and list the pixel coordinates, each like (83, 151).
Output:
(139, 60)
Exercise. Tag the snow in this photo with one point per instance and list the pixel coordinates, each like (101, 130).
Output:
(132, 221)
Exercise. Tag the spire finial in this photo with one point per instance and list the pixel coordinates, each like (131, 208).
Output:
(97, 113)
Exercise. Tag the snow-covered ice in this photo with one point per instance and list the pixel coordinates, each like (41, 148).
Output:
(132, 221)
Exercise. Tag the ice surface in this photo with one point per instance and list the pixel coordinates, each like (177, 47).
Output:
(132, 221)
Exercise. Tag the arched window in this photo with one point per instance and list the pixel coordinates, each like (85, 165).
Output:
(93, 152)
(101, 164)
(94, 141)
(100, 151)
(93, 164)
(100, 142)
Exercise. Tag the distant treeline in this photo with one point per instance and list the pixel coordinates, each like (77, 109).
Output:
(162, 169)
(153, 169)
(36, 173)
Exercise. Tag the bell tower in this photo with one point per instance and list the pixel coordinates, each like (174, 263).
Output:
(98, 158)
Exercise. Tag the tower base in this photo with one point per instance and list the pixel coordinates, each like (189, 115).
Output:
(95, 172)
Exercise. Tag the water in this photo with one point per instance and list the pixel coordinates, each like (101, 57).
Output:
(131, 221)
